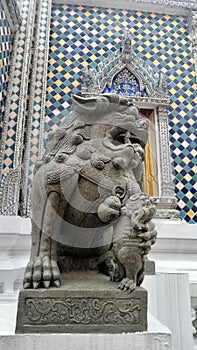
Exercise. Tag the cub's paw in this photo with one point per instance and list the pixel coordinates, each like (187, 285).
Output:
(127, 284)
(41, 273)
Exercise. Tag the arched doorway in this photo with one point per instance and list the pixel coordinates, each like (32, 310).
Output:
(126, 74)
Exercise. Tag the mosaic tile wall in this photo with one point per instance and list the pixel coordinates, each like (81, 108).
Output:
(5, 51)
(81, 36)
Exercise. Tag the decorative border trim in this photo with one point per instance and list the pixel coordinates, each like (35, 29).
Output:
(31, 96)
(24, 83)
(167, 188)
(22, 42)
(39, 74)
(192, 24)
(169, 7)
(12, 13)
(8, 190)
(8, 101)
(171, 3)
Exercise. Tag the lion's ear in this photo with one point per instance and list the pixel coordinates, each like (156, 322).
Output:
(96, 104)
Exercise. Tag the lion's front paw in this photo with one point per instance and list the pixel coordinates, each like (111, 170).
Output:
(41, 272)
(127, 284)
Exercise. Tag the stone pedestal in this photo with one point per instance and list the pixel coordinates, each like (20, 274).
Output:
(87, 302)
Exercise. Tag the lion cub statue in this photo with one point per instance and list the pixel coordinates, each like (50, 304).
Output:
(88, 208)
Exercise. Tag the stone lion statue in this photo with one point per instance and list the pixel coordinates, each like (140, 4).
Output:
(88, 208)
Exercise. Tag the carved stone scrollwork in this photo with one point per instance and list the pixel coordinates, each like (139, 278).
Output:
(82, 311)
(83, 305)
(192, 23)
(9, 190)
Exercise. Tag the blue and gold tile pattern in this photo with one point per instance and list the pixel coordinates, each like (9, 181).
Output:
(82, 36)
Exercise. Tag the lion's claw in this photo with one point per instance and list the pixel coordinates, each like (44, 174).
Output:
(46, 284)
(127, 285)
(57, 283)
(36, 284)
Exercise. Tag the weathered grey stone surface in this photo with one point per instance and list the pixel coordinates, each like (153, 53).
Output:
(87, 302)
(89, 213)
(87, 195)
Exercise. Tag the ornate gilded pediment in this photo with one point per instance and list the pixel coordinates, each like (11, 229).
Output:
(123, 72)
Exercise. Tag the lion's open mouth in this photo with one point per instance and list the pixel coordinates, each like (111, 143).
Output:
(119, 139)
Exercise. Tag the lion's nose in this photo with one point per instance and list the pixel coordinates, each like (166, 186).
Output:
(119, 163)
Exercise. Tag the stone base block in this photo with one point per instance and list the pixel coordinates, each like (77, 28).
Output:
(157, 337)
(87, 302)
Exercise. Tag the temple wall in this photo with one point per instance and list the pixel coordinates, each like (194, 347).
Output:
(82, 36)
(78, 37)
